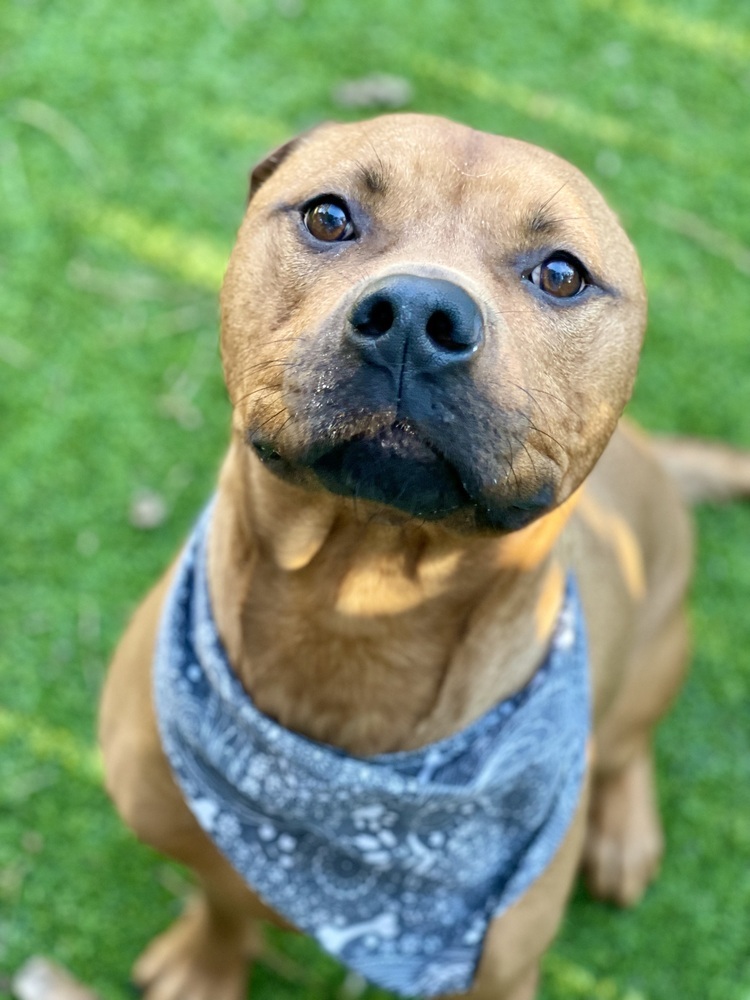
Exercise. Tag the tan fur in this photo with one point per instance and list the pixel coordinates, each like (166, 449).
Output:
(359, 626)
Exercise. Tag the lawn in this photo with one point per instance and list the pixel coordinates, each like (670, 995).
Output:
(126, 133)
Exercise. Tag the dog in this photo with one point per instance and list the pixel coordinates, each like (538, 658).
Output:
(438, 564)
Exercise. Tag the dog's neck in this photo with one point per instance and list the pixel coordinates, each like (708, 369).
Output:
(369, 635)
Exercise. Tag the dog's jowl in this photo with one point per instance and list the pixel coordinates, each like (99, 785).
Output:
(401, 682)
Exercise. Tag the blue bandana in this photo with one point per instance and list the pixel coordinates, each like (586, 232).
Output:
(395, 863)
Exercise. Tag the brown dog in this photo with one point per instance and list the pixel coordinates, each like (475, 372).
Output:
(428, 336)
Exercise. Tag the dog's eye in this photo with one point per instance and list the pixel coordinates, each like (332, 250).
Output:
(329, 221)
(561, 276)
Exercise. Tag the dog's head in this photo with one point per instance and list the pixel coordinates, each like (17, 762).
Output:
(439, 321)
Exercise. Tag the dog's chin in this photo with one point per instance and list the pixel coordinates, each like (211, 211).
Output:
(405, 475)
(396, 469)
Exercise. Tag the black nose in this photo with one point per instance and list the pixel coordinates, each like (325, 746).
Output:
(426, 323)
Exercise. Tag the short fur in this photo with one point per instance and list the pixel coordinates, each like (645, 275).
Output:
(358, 625)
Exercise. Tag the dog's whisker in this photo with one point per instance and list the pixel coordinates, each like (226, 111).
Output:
(552, 197)
(511, 470)
(268, 420)
(268, 389)
(521, 440)
(546, 434)
(546, 392)
(273, 363)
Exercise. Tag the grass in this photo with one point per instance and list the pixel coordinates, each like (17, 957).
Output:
(126, 133)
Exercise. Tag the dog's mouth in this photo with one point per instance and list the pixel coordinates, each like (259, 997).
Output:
(399, 468)
(395, 467)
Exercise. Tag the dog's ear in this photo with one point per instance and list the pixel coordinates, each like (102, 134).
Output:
(263, 170)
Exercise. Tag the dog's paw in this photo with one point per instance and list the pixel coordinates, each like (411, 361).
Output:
(191, 961)
(624, 842)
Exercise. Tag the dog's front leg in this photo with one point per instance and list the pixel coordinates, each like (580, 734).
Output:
(207, 953)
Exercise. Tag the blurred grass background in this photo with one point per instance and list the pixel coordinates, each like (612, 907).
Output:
(126, 133)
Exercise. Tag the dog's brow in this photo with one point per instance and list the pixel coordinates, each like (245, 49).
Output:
(373, 178)
(541, 223)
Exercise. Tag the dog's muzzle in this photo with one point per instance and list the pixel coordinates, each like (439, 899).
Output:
(411, 342)
(408, 331)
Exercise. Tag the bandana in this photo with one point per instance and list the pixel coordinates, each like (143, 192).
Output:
(395, 863)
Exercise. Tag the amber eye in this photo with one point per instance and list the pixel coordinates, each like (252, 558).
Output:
(329, 221)
(560, 276)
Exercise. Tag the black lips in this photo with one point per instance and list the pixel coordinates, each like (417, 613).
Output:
(395, 468)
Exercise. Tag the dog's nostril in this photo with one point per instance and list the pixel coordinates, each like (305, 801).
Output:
(382, 316)
(442, 331)
(376, 319)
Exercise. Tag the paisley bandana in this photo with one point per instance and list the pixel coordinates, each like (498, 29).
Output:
(395, 863)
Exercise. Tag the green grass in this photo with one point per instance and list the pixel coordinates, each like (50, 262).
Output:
(126, 133)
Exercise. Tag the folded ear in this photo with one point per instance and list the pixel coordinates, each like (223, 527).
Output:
(263, 170)
(260, 173)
